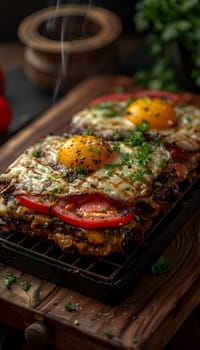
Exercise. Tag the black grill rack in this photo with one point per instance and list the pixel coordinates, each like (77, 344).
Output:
(107, 279)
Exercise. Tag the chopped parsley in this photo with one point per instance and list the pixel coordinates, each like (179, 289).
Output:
(139, 175)
(104, 105)
(126, 158)
(88, 132)
(25, 286)
(55, 190)
(143, 153)
(9, 279)
(69, 306)
(130, 100)
(143, 126)
(162, 265)
(80, 170)
(108, 334)
(111, 113)
(36, 153)
(116, 147)
(162, 164)
(116, 136)
(95, 150)
(135, 139)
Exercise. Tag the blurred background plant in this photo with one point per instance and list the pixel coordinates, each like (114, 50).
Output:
(171, 31)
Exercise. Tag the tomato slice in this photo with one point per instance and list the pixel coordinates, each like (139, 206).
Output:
(174, 98)
(91, 212)
(35, 203)
(87, 211)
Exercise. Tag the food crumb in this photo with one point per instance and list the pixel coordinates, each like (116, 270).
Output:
(76, 322)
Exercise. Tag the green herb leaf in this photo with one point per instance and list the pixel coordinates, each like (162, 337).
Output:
(108, 334)
(143, 153)
(9, 279)
(162, 265)
(143, 126)
(88, 132)
(139, 175)
(69, 306)
(25, 286)
(94, 150)
(104, 105)
(36, 153)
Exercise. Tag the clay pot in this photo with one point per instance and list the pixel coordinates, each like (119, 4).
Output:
(68, 44)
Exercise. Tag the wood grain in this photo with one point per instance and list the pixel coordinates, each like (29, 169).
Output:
(154, 310)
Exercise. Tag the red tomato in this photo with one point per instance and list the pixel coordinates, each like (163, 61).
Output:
(2, 81)
(91, 211)
(34, 203)
(174, 98)
(87, 211)
(5, 114)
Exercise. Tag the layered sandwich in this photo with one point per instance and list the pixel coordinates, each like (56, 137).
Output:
(94, 194)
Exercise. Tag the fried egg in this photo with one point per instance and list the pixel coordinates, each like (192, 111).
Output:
(124, 172)
(178, 124)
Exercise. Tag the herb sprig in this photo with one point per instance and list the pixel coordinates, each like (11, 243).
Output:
(9, 279)
(161, 266)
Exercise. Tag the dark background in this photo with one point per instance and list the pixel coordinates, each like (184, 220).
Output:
(12, 12)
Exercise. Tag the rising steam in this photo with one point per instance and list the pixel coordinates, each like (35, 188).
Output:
(50, 27)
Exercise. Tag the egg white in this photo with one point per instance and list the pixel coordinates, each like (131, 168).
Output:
(185, 134)
(44, 175)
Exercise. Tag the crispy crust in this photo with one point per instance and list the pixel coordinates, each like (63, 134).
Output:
(162, 193)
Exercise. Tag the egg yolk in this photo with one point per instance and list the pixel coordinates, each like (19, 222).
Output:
(158, 113)
(84, 152)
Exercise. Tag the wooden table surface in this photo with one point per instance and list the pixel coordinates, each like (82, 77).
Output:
(156, 307)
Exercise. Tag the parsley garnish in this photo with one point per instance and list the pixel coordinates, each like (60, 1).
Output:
(143, 153)
(54, 190)
(37, 153)
(161, 266)
(130, 100)
(162, 164)
(108, 334)
(139, 175)
(25, 286)
(95, 150)
(116, 147)
(69, 306)
(116, 136)
(88, 132)
(134, 140)
(111, 113)
(9, 279)
(104, 105)
(80, 170)
(143, 126)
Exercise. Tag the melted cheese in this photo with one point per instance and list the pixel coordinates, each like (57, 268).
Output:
(37, 171)
(185, 133)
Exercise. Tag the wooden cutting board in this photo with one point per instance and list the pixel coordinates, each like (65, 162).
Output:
(150, 316)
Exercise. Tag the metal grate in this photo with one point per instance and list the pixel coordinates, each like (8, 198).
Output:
(107, 279)
(105, 269)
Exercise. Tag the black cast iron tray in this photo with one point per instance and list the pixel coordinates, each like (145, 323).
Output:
(106, 279)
